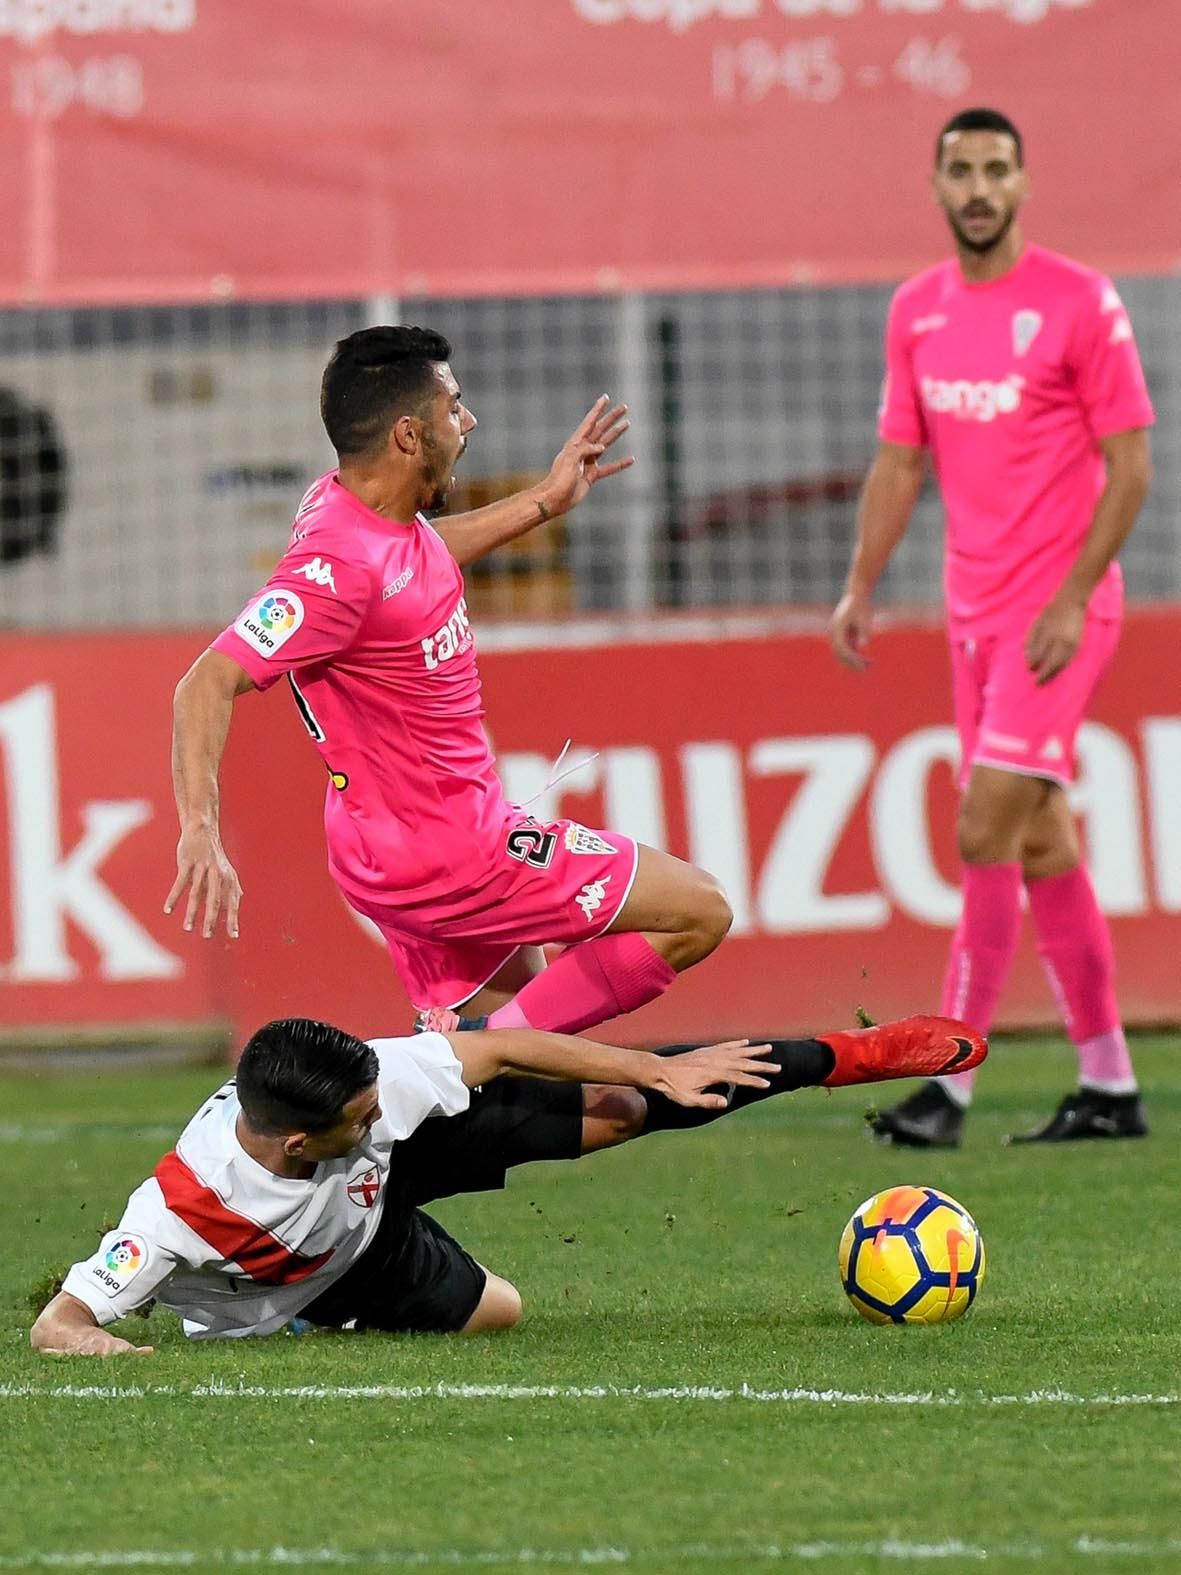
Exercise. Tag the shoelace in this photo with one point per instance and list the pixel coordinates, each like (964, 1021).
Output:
(555, 776)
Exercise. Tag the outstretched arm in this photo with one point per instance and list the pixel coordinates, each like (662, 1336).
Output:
(201, 711)
(67, 1327)
(575, 470)
(682, 1078)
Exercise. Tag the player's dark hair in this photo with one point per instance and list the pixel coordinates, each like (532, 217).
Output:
(373, 377)
(297, 1075)
(980, 120)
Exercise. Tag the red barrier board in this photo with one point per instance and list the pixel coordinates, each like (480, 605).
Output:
(195, 149)
(823, 799)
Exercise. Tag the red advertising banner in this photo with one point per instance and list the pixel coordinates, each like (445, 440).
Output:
(823, 800)
(195, 149)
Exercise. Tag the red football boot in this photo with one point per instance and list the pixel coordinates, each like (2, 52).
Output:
(913, 1047)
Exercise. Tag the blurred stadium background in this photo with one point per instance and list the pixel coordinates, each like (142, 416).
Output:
(698, 205)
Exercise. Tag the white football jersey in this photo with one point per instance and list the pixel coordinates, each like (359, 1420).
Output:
(236, 1250)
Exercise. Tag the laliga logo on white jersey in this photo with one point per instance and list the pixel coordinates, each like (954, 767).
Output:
(968, 401)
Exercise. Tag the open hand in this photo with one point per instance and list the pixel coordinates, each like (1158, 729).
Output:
(96, 1342)
(848, 630)
(578, 463)
(202, 866)
(685, 1078)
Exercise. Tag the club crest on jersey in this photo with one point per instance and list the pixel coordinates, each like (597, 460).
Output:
(580, 839)
(1026, 327)
(319, 572)
(271, 621)
(364, 1189)
(590, 898)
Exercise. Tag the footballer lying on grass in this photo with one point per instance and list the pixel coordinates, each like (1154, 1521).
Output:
(296, 1189)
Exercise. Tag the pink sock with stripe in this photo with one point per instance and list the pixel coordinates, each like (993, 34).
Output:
(1074, 944)
(588, 984)
(981, 955)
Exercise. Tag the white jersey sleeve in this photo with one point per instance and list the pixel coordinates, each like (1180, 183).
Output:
(417, 1078)
(132, 1262)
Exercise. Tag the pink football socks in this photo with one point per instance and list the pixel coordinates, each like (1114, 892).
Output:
(588, 984)
(981, 955)
(1074, 944)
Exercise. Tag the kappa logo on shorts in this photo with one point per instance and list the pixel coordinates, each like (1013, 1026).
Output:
(1053, 749)
(363, 1190)
(1006, 741)
(590, 898)
(580, 839)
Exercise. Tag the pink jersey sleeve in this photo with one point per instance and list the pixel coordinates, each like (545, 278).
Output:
(309, 610)
(900, 416)
(1106, 365)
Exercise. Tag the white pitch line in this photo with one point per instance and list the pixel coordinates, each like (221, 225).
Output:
(216, 1389)
(892, 1549)
(70, 1132)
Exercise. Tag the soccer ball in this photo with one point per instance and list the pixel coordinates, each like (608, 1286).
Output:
(911, 1255)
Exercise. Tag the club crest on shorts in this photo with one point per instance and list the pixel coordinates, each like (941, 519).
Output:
(580, 839)
(363, 1190)
(1026, 325)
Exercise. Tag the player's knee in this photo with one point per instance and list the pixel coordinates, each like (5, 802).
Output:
(611, 1116)
(499, 1308)
(980, 839)
(712, 915)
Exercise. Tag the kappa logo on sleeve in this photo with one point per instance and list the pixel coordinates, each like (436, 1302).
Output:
(119, 1260)
(319, 572)
(271, 621)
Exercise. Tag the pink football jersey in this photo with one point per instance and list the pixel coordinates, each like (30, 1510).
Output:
(1011, 384)
(367, 620)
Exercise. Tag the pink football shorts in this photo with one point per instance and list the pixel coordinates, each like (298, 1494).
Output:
(558, 882)
(1006, 719)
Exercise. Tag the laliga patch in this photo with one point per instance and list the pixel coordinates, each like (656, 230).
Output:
(271, 622)
(579, 839)
(120, 1258)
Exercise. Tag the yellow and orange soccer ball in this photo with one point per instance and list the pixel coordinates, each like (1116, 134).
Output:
(911, 1255)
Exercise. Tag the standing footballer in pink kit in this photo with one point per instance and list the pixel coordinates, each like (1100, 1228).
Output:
(1017, 369)
(365, 617)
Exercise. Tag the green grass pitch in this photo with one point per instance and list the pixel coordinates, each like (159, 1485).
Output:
(714, 1403)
